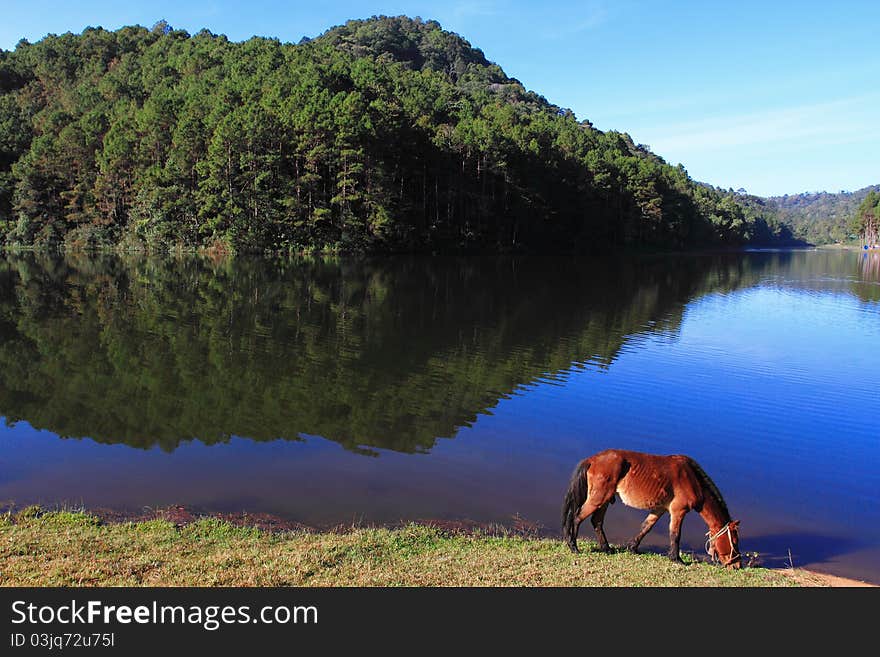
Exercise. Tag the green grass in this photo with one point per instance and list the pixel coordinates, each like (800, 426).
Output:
(67, 548)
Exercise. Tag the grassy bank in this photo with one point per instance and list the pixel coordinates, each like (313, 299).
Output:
(71, 548)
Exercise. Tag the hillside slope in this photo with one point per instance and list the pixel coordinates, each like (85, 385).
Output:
(388, 134)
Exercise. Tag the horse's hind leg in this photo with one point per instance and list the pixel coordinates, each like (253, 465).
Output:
(599, 498)
(587, 509)
(647, 525)
(600, 494)
(597, 519)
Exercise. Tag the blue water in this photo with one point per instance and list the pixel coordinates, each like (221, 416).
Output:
(458, 389)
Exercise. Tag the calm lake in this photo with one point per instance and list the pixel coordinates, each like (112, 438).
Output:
(461, 389)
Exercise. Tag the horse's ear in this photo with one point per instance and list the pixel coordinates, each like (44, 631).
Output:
(734, 524)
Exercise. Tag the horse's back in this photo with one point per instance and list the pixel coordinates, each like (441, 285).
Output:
(648, 481)
(670, 464)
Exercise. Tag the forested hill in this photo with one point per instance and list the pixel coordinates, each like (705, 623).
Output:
(822, 217)
(387, 134)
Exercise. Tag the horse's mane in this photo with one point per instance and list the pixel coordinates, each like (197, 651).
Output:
(710, 486)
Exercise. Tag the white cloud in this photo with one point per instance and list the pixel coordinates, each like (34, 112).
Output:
(841, 121)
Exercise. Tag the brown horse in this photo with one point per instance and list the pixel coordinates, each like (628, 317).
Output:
(656, 484)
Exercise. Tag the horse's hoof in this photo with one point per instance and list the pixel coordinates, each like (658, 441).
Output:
(573, 547)
(604, 548)
(632, 547)
(674, 558)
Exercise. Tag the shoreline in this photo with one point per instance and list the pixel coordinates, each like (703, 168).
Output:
(182, 515)
(245, 531)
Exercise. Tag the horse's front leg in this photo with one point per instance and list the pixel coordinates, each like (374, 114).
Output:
(675, 518)
(647, 525)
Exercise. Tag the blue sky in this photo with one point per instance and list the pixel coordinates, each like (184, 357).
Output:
(776, 97)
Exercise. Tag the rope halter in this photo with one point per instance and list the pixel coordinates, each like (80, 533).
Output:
(734, 554)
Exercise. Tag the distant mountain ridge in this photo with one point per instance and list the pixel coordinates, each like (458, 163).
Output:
(820, 217)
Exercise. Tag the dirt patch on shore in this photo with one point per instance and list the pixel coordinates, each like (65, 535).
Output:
(181, 516)
(812, 578)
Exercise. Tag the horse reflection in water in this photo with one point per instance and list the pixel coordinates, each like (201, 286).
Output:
(657, 484)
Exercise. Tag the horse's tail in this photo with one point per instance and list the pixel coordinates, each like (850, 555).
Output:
(574, 498)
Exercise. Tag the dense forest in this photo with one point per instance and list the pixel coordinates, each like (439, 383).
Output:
(822, 217)
(382, 135)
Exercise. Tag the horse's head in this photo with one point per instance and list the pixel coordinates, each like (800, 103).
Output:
(723, 545)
